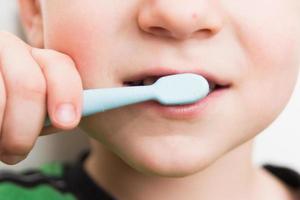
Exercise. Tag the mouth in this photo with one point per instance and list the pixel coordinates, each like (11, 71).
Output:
(218, 88)
(145, 80)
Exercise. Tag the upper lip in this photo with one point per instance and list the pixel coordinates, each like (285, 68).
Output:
(163, 71)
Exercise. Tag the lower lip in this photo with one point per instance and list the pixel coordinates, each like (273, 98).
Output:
(188, 111)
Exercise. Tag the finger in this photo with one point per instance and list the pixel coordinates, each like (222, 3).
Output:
(2, 105)
(64, 88)
(25, 100)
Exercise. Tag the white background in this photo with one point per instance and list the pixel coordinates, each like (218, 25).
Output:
(278, 144)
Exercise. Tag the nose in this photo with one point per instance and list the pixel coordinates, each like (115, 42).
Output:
(180, 19)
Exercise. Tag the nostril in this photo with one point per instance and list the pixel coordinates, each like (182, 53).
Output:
(204, 33)
(157, 30)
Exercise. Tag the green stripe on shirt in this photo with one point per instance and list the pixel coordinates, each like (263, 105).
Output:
(52, 169)
(11, 191)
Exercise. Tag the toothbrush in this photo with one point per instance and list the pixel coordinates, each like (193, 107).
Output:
(175, 89)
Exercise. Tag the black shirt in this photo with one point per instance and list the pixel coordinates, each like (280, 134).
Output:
(58, 181)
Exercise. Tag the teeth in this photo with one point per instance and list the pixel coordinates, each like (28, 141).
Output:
(212, 86)
(134, 83)
(138, 82)
(146, 81)
(149, 80)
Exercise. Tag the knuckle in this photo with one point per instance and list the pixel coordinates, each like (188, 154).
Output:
(4, 38)
(60, 57)
(30, 88)
(7, 38)
(8, 41)
(4, 35)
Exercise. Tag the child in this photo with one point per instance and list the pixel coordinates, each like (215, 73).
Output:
(249, 49)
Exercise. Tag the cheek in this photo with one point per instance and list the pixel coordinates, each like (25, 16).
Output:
(270, 40)
(271, 44)
(86, 37)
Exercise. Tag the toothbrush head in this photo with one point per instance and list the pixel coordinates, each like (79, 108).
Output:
(181, 89)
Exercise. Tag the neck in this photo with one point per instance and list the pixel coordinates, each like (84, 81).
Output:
(232, 176)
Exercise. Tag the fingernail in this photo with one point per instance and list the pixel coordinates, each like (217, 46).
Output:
(65, 113)
(11, 159)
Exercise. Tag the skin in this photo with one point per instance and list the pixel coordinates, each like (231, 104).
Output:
(138, 154)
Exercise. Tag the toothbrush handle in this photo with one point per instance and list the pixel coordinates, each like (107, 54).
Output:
(100, 100)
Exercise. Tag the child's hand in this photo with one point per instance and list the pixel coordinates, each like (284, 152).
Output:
(32, 80)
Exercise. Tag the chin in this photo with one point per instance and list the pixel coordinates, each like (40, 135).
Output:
(168, 157)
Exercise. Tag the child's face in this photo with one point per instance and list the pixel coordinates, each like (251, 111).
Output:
(252, 44)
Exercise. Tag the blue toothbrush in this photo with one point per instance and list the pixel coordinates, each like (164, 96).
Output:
(175, 89)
